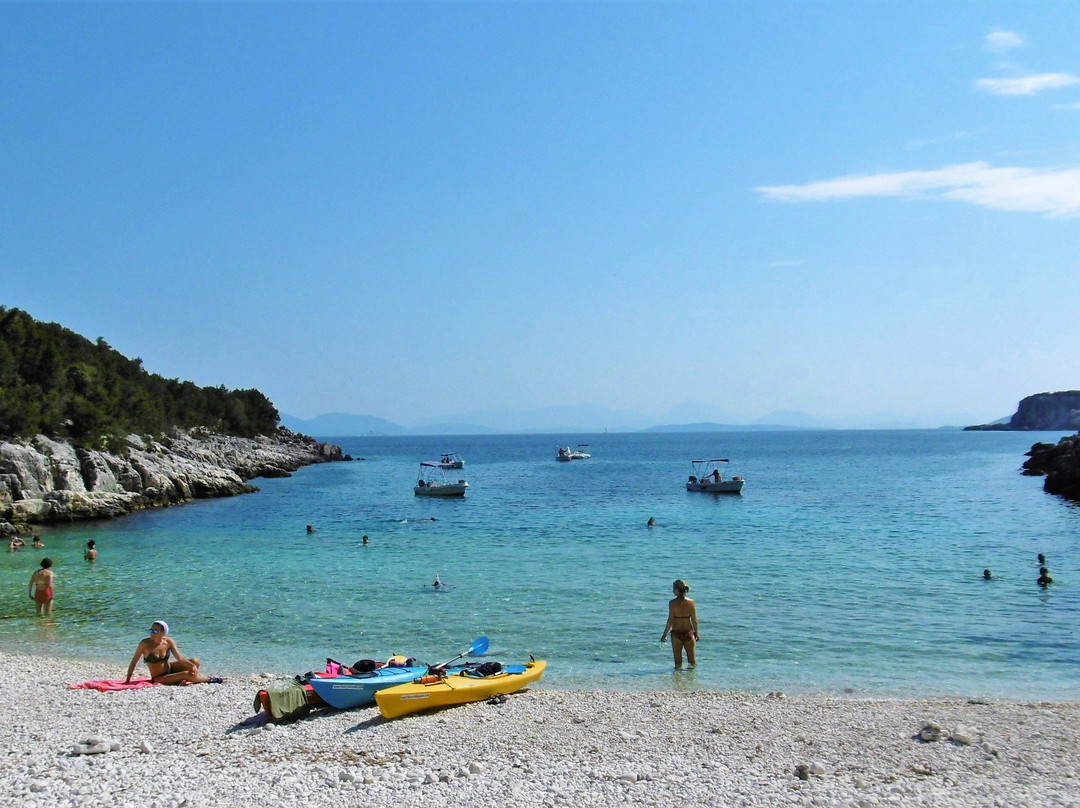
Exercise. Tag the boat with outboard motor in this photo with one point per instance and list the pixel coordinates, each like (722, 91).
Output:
(434, 483)
(707, 477)
(567, 454)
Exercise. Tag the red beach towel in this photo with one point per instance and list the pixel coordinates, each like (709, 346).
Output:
(109, 685)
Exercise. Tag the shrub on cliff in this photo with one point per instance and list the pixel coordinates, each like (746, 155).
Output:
(56, 382)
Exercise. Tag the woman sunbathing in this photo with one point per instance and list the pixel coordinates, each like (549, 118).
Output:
(156, 650)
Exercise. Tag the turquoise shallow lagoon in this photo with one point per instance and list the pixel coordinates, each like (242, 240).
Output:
(852, 561)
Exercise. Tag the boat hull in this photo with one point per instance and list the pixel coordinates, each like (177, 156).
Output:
(346, 692)
(455, 689)
(721, 487)
(441, 489)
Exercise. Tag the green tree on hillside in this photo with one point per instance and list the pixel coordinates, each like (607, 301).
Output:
(58, 383)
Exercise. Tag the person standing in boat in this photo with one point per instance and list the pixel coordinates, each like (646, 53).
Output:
(682, 623)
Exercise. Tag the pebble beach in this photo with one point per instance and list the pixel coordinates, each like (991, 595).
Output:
(203, 745)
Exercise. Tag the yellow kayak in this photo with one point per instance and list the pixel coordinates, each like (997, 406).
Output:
(458, 688)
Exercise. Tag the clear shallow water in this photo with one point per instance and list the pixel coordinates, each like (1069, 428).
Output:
(851, 560)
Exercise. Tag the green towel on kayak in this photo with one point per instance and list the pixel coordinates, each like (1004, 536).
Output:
(287, 700)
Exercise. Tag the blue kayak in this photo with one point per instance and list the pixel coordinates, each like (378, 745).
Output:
(358, 689)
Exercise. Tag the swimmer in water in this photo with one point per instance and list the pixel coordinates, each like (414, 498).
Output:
(365, 540)
(651, 522)
(987, 575)
(1044, 577)
(437, 583)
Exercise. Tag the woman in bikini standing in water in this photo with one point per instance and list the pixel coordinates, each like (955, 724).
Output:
(682, 623)
(156, 650)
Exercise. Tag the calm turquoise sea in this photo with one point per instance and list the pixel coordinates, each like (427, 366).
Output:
(852, 560)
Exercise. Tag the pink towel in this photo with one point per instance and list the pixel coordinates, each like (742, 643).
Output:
(108, 685)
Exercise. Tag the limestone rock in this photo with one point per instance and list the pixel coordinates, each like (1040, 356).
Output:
(44, 481)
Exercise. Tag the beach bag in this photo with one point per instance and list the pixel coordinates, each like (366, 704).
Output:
(286, 701)
(364, 666)
(487, 669)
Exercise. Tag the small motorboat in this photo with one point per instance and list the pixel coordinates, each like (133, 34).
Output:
(433, 691)
(567, 454)
(434, 483)
(707, 477)
(452, 460)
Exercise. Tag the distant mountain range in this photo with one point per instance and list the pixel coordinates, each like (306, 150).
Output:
(589, 419)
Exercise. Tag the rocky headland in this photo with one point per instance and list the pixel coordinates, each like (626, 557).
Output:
(46, 481)
(1060, 462)
(1041, 412)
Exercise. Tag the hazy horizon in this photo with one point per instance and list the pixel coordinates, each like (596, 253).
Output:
(587, 420)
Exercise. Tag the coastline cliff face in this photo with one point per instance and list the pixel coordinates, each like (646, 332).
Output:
(1041, 412)
(1060, 462)
(45, 481)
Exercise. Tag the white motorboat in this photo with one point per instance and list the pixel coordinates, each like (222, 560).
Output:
(567, 454)
(707, 477)
(433, 482)
(452, 460)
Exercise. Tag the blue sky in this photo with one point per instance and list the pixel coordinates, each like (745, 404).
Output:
(424, 211)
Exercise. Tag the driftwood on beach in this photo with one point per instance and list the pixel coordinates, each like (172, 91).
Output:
(46, 481)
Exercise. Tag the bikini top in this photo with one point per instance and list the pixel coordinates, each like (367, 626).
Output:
(151, 659)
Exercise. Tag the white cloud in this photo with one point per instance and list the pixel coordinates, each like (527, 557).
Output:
(1000, 41)
(1027, 85)
(1054, 192)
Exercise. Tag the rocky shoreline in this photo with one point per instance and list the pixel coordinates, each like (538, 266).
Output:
(45, 481)
(1060, 463)
(201, 746)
